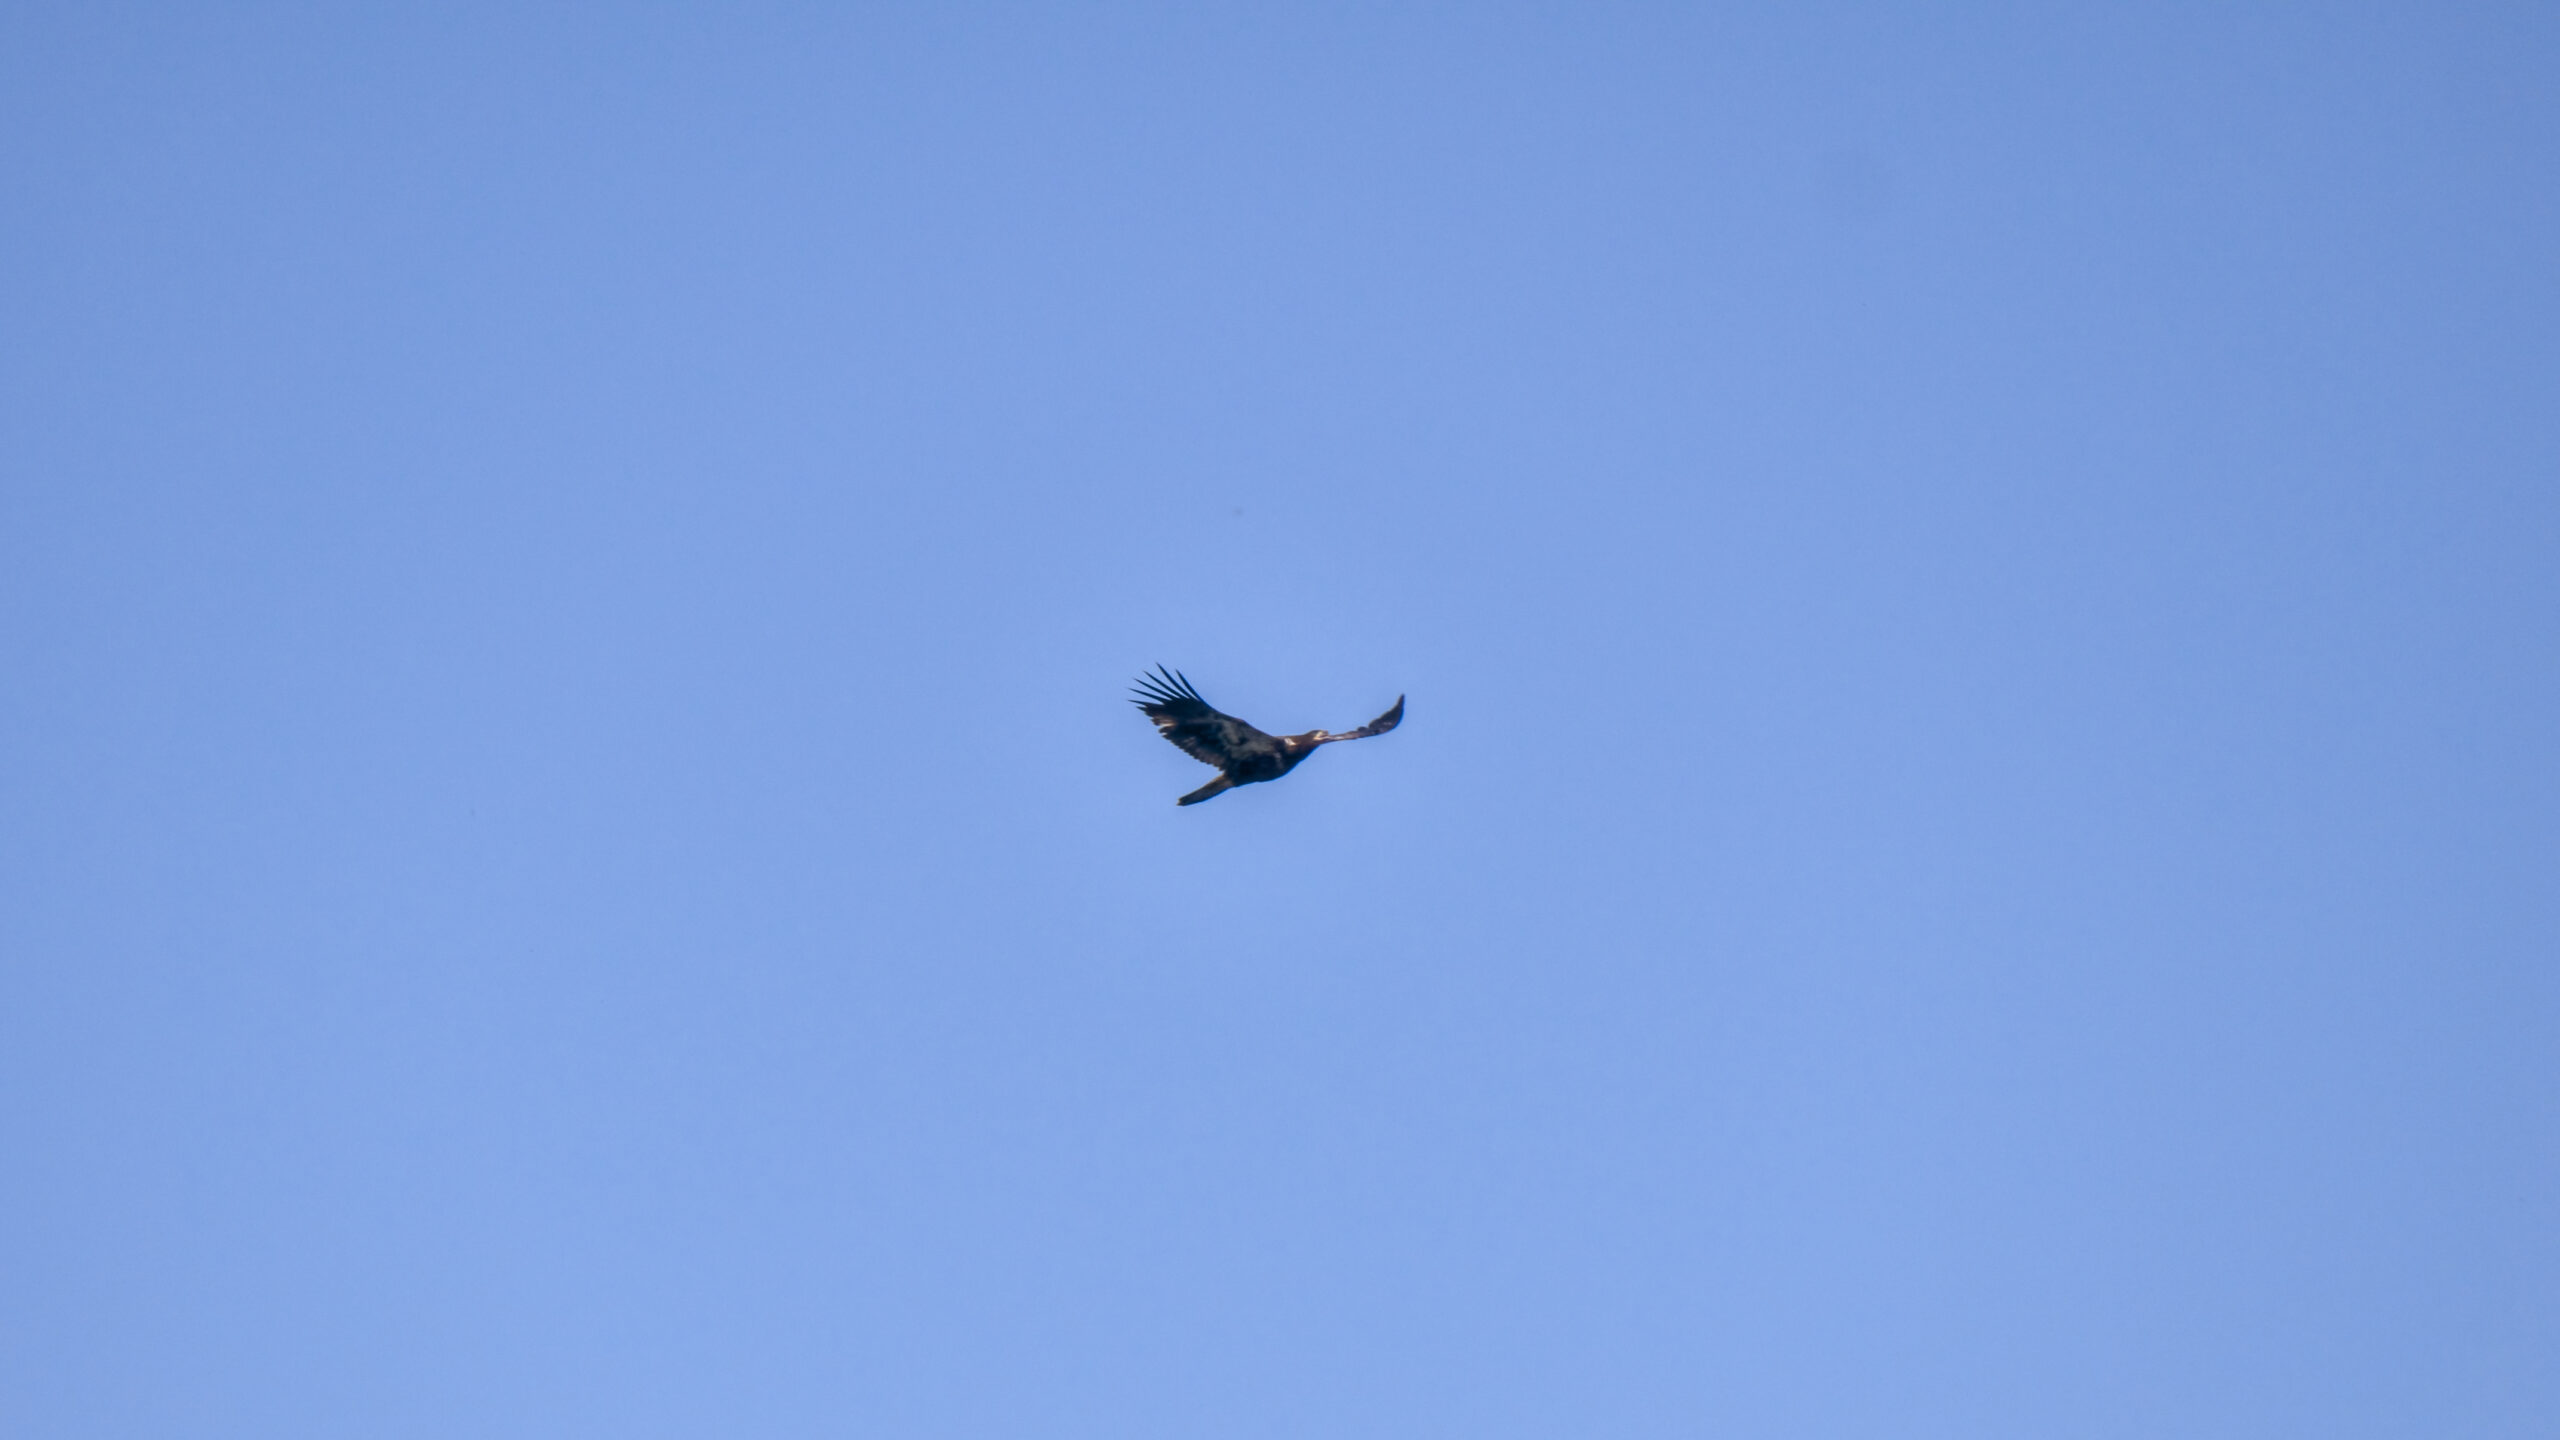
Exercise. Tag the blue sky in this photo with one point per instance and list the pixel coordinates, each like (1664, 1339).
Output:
(1973, 852)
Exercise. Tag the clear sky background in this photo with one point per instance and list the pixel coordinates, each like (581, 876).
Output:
(1973, 854)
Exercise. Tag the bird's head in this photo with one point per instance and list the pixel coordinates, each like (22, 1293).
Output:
(1302, 745)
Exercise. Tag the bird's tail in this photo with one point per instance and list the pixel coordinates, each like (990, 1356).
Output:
(1205, 791)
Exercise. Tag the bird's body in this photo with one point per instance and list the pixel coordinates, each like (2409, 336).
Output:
(1243, 755)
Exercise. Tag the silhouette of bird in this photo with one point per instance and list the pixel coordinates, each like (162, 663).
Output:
(1243, 755)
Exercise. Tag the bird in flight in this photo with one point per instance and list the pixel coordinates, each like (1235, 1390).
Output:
(1242, 754)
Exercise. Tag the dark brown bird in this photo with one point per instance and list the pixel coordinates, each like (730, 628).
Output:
(1243, 755)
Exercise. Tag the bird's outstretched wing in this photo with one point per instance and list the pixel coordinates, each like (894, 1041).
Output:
(1380, 726)
(1184, 718)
